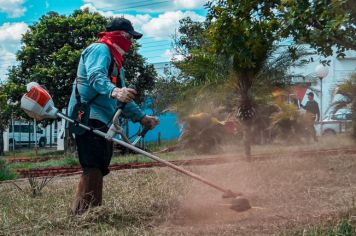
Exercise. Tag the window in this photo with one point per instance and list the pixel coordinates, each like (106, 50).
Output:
(24, 129)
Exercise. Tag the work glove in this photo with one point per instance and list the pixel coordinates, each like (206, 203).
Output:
(149, 122)
(124, 94)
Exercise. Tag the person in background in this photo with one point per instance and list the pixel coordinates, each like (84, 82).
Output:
(312, 113)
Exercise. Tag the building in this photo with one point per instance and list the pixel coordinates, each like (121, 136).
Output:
(340, 70)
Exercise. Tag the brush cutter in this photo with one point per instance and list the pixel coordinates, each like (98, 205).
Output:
(38, 104)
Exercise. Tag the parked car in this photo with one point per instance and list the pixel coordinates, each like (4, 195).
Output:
(332, 124)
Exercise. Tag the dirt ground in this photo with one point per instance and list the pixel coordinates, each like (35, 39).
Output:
(285, 193)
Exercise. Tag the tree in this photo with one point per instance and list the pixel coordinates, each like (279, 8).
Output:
(206, 82)
(245, 32)
(165, 95)
(322, 24)
(4, 117)
(52, 49)
(348, 92)
(139, 74)
(6, 110)
(201, 72)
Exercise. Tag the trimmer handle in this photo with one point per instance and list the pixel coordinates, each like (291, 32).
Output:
(144, 132)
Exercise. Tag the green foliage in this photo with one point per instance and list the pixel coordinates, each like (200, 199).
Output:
(67, 161)
(6, 172)
(322, 24)
(192, 36)
(165, 94)
(288, 124)
(4, 109)
(139, 74)
(243, 31)
(348, 92)
(202, 84)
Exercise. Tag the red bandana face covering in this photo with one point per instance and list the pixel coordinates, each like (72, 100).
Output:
(118, 42)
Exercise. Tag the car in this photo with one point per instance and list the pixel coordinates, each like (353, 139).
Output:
(337, 123)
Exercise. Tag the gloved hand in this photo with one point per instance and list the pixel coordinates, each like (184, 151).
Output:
(124, 94)
(149, 122)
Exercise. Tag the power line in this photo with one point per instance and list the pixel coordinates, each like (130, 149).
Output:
(151, 42)
(131, 4)
(155, 46)
(142, 5)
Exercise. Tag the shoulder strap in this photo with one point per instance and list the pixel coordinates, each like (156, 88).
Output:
(110, 71)
(77, 95)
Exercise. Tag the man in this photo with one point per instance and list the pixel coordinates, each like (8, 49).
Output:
(97, 85)
(312, 113)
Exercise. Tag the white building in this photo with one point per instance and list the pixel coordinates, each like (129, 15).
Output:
(340, 69)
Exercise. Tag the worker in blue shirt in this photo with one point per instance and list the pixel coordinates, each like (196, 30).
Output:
(98, 84)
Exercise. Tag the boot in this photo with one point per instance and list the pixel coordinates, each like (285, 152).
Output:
(89, 191)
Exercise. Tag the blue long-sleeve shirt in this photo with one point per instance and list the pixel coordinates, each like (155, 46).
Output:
(92, 78)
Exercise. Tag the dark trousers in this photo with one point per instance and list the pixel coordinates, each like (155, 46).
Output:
(94, 151)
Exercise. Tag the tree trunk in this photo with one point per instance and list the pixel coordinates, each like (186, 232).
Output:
(247, 140)
(246, 111)
(354, 118)
(1, 143)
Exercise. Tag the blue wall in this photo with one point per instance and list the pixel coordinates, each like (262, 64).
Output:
(168, 127)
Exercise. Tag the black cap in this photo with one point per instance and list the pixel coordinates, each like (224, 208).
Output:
(120, 23)
(311, 94)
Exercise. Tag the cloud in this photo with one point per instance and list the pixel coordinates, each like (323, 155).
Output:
(165, 25)
(189, 4)
(13, 8)
(161, 27)
(7, 59)
(137, 20)
(10, 43)
(12, 32)
(172, 55)
(151, 6)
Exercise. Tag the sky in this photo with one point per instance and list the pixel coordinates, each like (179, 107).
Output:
(156, 19)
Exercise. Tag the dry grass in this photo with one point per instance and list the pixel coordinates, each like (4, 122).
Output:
(290, 196)
(134, 202)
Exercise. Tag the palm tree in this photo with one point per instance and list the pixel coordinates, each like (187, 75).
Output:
(348, 92)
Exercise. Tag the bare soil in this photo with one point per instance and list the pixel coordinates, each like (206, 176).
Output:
(284, 192)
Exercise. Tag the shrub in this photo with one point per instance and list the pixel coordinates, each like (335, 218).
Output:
(6, 172)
